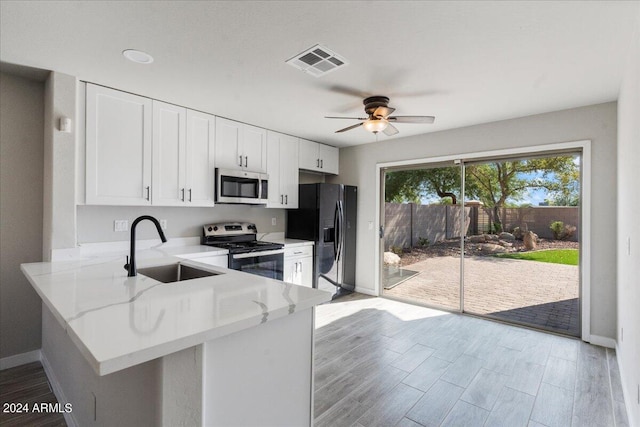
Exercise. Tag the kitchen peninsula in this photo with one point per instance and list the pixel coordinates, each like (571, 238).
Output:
(228, 349)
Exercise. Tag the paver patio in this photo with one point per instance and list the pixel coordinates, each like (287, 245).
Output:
(541, 294)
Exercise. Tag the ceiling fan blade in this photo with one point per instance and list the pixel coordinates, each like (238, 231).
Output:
(383, 112)
(350, 118)
(349, 127)
(390, 130)
(411, 119)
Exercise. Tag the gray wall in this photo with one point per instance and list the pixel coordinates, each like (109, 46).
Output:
(596, 123)
(21, 192)
(628, 238)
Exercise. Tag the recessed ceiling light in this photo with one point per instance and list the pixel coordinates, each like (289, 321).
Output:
(137, 56)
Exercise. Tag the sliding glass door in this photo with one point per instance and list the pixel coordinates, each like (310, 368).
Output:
(421, 256)
(497, 238)
(522, 244)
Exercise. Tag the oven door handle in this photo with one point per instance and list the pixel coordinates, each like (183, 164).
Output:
(257, 254)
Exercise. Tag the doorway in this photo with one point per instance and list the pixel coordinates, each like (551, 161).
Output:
(495, 237)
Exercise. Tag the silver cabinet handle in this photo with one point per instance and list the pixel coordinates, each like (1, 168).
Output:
(240, 164)
(189, 194)
(148, 192)
(281, 199)
(182, 194)
(321, 163)
(317, 163)
(246, 162)
(286, 199)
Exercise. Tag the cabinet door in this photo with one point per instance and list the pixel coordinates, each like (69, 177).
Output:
(290, 265)
(228, 144)
(254, 148)
(273, 170)
(118, 148)
(200, 159)
(169, 145)
(306, 271)
(329, 158)
(289, 174)
(308, 155)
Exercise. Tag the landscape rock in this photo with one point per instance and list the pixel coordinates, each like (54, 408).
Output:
(505, 244)
(491, 248)
(489, 237)
(506, 236)
(391, 259)
(477, 239)
(530, 239)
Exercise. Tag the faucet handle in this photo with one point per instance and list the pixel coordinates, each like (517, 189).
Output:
(126, 266)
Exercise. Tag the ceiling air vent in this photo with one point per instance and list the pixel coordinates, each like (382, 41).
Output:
(317, 61)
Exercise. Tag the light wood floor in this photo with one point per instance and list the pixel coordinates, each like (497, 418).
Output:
(384, 363)
(381, 362)
(28, 385)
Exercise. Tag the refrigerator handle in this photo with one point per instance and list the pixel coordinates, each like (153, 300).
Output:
(336, 221)
(341, 223)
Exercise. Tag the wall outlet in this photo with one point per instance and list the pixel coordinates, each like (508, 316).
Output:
(121, 225)
(273, 221)
(163, 224)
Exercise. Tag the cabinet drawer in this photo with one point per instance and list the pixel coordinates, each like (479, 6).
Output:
(298, 251)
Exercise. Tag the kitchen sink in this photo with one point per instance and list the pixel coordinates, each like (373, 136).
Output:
(174, 273)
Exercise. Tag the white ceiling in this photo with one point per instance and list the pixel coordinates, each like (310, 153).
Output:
(464, 62)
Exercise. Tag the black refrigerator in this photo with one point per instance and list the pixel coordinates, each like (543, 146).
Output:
(326, 215)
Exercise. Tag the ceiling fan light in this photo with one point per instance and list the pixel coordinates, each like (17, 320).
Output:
(375, 126)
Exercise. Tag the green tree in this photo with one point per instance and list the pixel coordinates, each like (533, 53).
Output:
(496, 182)
(413, 185)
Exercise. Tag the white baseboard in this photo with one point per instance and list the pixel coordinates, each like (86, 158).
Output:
(625, 393)
(602, 341)
(57, 390)
(20, 359)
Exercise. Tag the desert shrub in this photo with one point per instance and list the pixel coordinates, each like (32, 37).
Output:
(562, 231)
(569, 231)
(423, 241)
(397, 250)
(557, 227)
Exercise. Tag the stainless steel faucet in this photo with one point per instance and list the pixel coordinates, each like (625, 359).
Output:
(130, 266)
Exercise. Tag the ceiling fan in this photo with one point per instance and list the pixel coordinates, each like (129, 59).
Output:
(379, 117)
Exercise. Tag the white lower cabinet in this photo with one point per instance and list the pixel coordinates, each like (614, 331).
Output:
(298, 265)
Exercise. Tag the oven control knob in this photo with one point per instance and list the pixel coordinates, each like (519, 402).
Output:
(214, 229)
(210, 228)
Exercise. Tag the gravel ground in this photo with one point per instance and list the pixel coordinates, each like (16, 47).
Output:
(452, 248)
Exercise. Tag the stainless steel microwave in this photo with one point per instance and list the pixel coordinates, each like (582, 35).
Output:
(234, 186)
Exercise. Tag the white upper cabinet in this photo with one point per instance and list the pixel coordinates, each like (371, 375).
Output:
(318, 157)
(183, 156)
(118, 147)
(282, 168)
(200, 160)
(329, 159)
(240, 146)
(169, 149)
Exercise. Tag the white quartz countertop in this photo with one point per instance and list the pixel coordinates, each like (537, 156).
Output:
(118, 321)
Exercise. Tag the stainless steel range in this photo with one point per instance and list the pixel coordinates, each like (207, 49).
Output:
(246, 253)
